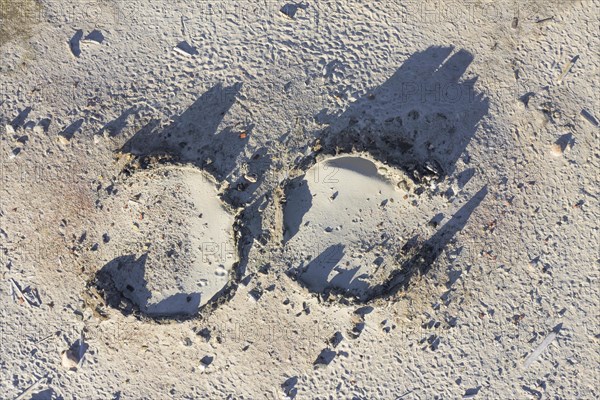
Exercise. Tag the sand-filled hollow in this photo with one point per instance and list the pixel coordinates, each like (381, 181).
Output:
(345, 223)
(186, 234)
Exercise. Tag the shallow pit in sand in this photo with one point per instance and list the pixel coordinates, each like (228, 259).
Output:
(347, 222)
(187, 235)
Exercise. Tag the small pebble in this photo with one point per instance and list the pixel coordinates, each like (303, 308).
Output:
(62, 139)
(69, 360)
(403, 185)
(556, 150)
(252, 178)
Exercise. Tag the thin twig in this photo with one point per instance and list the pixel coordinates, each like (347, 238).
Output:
(30, 388)
(19, 292)
(545, 343)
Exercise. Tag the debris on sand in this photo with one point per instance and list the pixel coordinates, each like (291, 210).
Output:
(30, 389)
(561, 145)
(252, 178)
(204, 333)
(542, 20)
(69, 360)
(526, 97)
(255, 294)
(72, 358)
(540, 349)
(19, 295)
(567, 69)
(556, 150)
(186, 49)
(357, 329)
(589, 117)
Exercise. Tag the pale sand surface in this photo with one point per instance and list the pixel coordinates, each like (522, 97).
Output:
(482, 283)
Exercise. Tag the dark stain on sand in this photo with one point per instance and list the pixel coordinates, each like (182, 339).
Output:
(18, 18)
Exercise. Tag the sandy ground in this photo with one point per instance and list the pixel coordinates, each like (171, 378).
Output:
(480, 280)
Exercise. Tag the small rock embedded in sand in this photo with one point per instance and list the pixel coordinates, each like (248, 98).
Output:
(357, 329)
(10, 130)
(203, 282)
(471, 393)
(98, 138)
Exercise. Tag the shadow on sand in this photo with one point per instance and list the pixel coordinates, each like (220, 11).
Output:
(420, 120)
(122, 283)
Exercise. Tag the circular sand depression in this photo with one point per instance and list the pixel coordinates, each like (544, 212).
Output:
(187, 238)
(345, 224)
